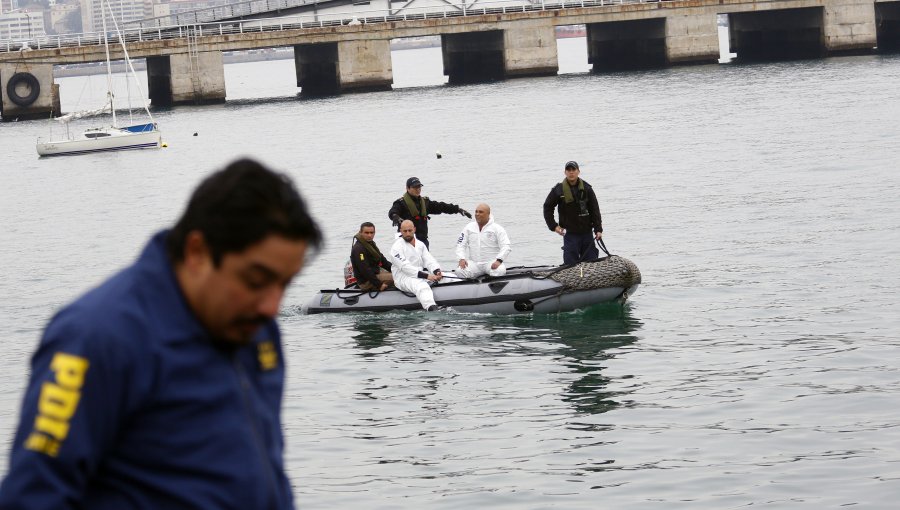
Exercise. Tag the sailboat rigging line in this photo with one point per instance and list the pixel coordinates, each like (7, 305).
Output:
(109, 138)
(128, 62)
(109, 93)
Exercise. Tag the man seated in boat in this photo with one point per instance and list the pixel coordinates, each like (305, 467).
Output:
(482, 246)
(414, 268)
(371, 267)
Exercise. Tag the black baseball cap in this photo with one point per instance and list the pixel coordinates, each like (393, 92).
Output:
(572, 165)
(413, 182)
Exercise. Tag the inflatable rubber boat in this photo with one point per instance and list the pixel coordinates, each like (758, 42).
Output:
(538, 289)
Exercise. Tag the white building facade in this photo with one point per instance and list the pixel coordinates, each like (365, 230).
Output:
(123, 10)
(7, 6)
(21, 26)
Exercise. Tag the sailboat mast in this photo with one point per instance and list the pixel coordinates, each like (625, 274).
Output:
(130, 66)
(109, 87)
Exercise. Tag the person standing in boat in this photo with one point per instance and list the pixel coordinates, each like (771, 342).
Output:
(371, 267)
(482, 246)
(414, 268)
(413, 206)
(162, 387)
(579, 223)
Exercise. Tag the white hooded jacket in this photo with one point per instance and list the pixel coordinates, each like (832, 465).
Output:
(407, 260)
(484, 245)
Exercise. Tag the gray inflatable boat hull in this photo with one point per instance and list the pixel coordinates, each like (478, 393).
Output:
(538, 289)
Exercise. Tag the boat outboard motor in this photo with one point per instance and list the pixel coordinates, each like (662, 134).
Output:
(349, 275)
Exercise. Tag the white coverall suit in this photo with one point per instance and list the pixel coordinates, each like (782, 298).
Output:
(480, 248)
(410, 266)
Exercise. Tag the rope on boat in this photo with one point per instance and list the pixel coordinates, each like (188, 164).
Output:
(352, 292)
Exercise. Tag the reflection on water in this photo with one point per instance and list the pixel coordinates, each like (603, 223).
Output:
(581, 342)
(768, 230)
(479, 404)
(586, 340)
(370, 335)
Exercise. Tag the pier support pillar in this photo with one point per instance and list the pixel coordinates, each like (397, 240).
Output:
(27, 91)
(627, 44)
(182, 79)
(530, 51)
(364, 65)
(849, 27)
(317, 68)
(888, 16)
(692, 39)
(474, 57)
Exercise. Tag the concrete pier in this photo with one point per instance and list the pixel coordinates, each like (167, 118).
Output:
(335, 54)
(692, 39)
(364, 65)
(198, 80)
(778, 34)
(345, 66)
(530, 50)
(845, 27)
(183, 78)
(653, 42)
(27, 91)
(849, 26)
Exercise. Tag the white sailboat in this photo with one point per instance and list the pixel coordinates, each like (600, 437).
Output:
(106, 138)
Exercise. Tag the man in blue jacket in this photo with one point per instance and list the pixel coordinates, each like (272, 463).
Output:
(162, 387)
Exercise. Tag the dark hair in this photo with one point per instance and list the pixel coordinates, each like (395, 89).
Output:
(366, 224)
(239, 206)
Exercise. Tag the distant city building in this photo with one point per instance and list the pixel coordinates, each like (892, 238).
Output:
(179, 6)
(123, 10)
(166, 8)
(160, 10)
(76, 16)
(21, 26)
(63, 17)
(8, 6)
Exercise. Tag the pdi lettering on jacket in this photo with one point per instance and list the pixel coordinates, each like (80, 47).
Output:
(57, 403)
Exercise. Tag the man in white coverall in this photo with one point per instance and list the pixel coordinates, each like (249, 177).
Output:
(482, 246)
(410, 265)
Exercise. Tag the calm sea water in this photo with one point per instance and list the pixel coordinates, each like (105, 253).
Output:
(758, 365)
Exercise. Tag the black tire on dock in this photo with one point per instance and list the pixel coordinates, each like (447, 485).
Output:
(29, 80)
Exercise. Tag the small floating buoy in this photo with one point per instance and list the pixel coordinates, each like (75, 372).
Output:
(195, 134)
(438, 154)
(164, 144)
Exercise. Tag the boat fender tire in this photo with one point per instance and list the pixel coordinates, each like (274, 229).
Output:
(524, 305)
(29, 80)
